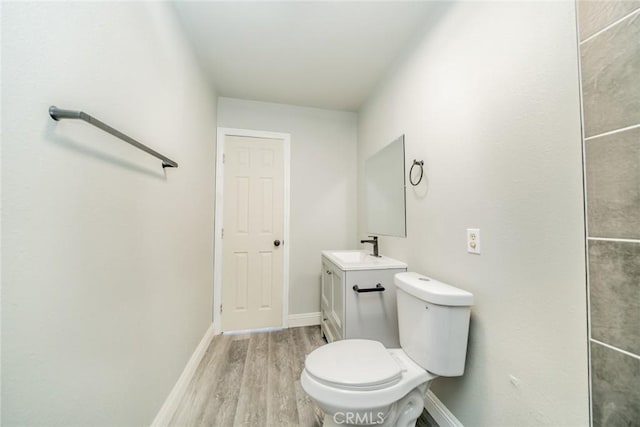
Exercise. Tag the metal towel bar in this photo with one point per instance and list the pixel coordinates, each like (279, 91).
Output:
(58, 113)
(378, 288)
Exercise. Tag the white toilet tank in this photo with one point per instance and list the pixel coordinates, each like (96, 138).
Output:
(433, 321)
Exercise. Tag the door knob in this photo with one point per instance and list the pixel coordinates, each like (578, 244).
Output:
(276, 243)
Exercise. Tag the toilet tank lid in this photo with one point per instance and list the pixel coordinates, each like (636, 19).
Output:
(431, 290)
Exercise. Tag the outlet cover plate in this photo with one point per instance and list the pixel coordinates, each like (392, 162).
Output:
(473, 240)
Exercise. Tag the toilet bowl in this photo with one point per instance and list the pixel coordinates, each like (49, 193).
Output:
(373, 386)
(360, 382)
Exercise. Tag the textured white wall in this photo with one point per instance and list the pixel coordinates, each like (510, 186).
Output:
(323, 184)
(488, 98)
(107, 260)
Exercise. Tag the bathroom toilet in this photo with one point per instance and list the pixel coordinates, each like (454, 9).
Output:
(360, 382)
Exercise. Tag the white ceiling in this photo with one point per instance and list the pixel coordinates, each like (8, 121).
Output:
(318, 54)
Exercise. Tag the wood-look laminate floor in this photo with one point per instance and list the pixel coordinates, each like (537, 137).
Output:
(254, 380)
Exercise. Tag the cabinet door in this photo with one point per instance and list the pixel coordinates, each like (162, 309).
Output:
(372, 315)
(327, 287)
(331, 321)
(337, 306)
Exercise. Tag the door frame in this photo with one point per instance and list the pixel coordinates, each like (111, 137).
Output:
(223, 132)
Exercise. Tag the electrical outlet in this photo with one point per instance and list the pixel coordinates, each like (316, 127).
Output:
(473, 240)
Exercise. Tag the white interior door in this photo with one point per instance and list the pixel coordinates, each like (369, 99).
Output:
(253, 225)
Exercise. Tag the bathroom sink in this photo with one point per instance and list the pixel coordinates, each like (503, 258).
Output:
(351, 257)
(361, 260)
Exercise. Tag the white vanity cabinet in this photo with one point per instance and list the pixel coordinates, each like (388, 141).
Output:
(369, 311)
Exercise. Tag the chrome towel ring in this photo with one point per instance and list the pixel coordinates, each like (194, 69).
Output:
(421, 165)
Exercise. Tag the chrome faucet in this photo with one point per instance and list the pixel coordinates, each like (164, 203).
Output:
(374, 242)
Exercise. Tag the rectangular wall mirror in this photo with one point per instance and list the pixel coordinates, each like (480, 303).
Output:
(385, 191)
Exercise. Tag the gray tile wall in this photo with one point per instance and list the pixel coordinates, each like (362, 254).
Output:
(610, 65)
(614, 279)
(613, 184)
(615, 387)
(609, 34)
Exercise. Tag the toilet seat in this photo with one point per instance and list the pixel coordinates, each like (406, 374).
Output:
(391, 374)
(354, 364)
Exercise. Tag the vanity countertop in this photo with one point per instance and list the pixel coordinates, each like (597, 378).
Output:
(348, 260)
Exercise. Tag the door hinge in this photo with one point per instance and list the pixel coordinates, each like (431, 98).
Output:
(223, 158)
(220, 308)
(222, 234)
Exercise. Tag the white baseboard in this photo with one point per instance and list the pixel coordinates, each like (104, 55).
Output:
(439, 412)
(304, 319)
(170, 405)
